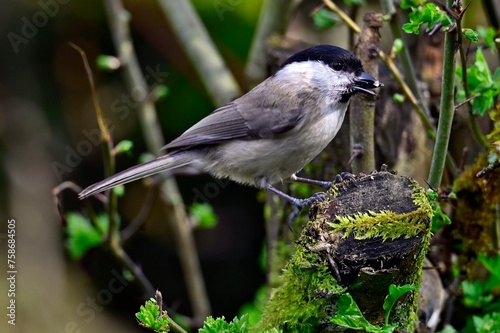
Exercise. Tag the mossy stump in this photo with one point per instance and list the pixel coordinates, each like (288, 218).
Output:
(370, 234)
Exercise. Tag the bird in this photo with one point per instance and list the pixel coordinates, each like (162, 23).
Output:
(270, 133)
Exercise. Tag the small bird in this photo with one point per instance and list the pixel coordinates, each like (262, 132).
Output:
(271, 132)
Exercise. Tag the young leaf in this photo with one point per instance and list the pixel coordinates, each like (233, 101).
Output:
(108, 63)
(149, 316)
(350, 316)
(488, 34)
(124, 146)
(405, 4)
(482, 84)
(324, 19)
(486, 324)
(204, 214)
(470, 35)
(220, 325)
(82, 235)
(428, 14)
(394, 293)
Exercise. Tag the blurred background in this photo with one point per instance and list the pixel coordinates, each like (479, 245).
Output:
(47, 131)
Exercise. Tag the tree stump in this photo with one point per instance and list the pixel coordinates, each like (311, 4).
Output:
(372, 232)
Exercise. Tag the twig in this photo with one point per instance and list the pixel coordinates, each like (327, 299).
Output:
(446, 110)
(362, 112)
(273, 19)
(450, 163)
(109, 156)
(175, 212)
(334, 8)
(141, 217)
(404, 56)
(488, 169)
(213, 72)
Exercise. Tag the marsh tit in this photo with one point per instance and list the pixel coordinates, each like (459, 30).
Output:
(271, 132)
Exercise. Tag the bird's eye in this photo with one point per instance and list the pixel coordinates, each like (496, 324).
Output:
(337, 65)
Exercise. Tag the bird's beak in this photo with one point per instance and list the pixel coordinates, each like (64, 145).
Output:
(364, 82)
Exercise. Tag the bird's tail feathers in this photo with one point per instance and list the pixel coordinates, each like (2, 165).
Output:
(163, 163)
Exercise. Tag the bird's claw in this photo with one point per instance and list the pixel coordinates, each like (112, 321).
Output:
(302, 203)
(344, 176)
(316, 197)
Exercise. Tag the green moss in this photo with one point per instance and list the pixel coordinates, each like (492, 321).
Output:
(303, 301)
(387, 224)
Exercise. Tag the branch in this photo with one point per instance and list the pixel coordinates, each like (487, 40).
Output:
(362, 113)
(446, 110)
(213, 72)
(404, 56)
(450, 163)
(274, 18)
(118, 20)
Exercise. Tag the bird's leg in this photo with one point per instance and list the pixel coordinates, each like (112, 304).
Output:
(324, 184)
(299, 203)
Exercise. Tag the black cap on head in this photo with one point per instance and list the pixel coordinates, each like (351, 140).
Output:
(334, 56)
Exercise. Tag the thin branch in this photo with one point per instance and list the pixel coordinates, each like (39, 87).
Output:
(334, 8)
(404, 56)
(450, 164)
(141, 217)
(274, 18)
(446, 110)
(175, 213)
(109, 156)
(212, 70)
(362, 111)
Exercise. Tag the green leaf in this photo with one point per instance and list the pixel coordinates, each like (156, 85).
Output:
(108, 63)
(124, 146)
(119, 190)
(488, 34)
(397, 46)
(161, 92)
(82, 235)
(149, 316)
(324, 19)
(481, 84)
(203, 214)
(428, 14)
(350, 316)
(470, 35)
(492, 264)
(475, 294)
(220, 325)
(448, 329)
(394, 293)
(405, 4)
(355, 2)
(398, 98)
(486, 324)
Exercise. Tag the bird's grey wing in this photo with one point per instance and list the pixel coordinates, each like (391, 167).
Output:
(246, 119)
